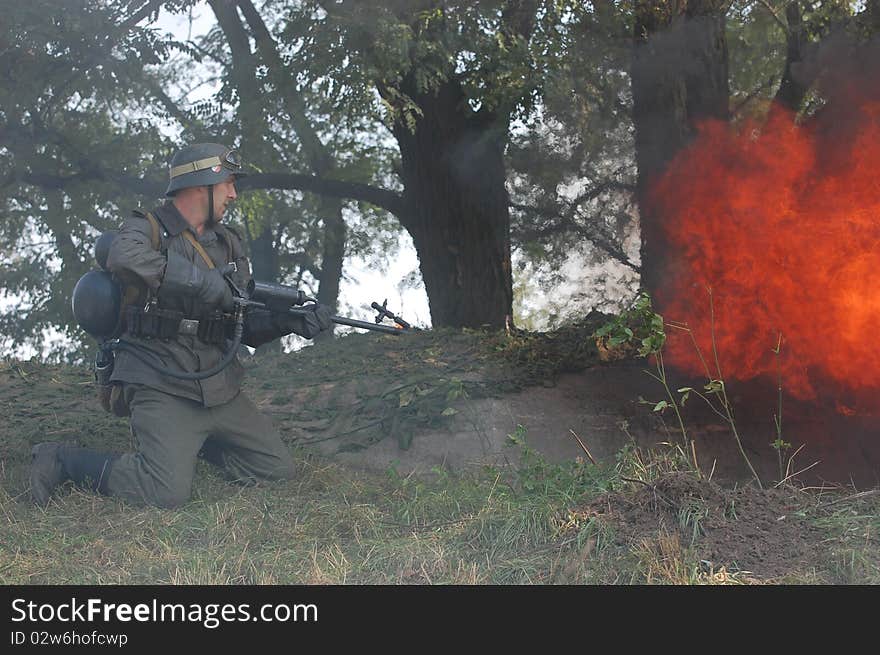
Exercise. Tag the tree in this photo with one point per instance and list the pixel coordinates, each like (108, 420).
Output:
(436, 68)
(68, 155)
(679, 78)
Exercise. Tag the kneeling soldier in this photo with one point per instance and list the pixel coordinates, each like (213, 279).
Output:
(183, 327)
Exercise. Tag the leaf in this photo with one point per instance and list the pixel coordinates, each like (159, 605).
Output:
(449, 411)
(659, 407)
(406, 397)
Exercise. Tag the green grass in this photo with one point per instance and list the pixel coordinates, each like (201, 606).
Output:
(331, 525)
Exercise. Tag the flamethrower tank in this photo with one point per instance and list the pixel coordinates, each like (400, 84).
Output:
(96, 303)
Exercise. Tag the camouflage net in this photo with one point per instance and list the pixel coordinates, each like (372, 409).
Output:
(362, 388)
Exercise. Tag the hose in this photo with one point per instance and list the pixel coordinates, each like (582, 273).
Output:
(136, 351)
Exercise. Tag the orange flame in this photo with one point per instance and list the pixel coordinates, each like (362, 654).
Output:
(782, 223)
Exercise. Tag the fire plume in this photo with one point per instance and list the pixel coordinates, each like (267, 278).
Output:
(782, 223)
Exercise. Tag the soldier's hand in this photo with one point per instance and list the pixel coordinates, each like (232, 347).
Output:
(215, 290)
(314, 319)
(182, 277)
(323, 315)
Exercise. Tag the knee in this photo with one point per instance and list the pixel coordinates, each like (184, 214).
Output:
(169, 497)
(286, 471)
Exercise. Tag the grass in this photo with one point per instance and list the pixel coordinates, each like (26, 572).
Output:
(330, 526)
(336, 526)
(535, 524)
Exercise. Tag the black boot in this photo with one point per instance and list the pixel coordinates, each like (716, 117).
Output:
(54, 463)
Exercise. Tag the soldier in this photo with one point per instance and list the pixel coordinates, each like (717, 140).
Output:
(181, 328)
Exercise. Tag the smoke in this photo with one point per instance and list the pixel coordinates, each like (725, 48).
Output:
(775, 237)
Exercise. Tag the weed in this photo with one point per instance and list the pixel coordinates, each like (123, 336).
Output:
(649, 337)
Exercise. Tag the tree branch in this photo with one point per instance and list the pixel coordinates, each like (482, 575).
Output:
(596, 237)
(320, 160)
(388, 200)
(151, 188)
(151, 7)
(781, 23)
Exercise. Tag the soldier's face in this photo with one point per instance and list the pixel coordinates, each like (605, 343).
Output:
(224, 193)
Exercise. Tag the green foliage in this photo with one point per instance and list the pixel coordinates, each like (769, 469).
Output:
(639, 326)
(572, 160)
(72, 154)
(565, 481)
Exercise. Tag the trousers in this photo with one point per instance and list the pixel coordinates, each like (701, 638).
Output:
(171, 431)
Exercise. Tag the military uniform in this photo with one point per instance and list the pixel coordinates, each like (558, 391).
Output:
(171, 418)
(174, 321)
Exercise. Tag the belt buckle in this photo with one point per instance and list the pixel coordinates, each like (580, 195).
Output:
(188, 326)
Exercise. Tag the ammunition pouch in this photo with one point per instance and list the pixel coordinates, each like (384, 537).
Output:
(155, 323)
(111, 394)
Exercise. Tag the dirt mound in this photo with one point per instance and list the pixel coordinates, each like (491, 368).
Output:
(350, 394)
(744, 529)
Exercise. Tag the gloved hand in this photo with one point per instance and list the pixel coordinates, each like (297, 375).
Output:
(323, 315)
(316, 318)
(262, 326)
(182, 277)
(214, 289)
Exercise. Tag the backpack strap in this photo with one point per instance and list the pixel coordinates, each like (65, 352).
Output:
(154, 230)
(195, 244)
(135, 293)
(154, 227)
(156, 243)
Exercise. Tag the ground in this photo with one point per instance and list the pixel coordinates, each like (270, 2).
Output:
(378, 425)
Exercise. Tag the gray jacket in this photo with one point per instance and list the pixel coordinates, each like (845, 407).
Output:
(132, 256)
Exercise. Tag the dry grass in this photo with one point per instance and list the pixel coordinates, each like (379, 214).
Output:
(333, 525)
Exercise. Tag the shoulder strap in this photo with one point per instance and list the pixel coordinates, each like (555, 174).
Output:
(154, 237)
(154, 228)
(189, 237)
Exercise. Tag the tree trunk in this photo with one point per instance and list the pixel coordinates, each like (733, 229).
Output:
(792, 88)
(264, 267)
(332, 258)
(457, 208)
(679, 78)
(264, 256)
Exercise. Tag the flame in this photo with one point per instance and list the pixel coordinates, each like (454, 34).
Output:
(774, 229)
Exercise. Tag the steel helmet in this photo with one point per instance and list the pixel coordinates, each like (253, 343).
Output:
(202, 164)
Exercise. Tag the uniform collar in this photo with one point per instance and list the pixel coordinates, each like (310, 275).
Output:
(171, 219)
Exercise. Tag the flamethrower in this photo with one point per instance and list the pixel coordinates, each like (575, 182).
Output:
(97, 306)
(280, 298)
(263, 295)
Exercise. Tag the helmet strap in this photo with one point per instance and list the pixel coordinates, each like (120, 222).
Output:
(210, 205)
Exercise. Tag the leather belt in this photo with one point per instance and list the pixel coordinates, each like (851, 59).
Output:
(167, 324)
